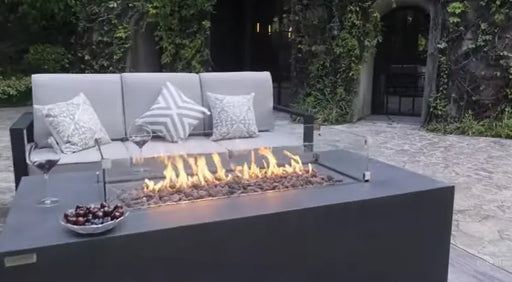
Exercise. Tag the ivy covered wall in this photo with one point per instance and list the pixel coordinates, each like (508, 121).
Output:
(327, 60)
(476, 76)
(182, 31)
(97, 34)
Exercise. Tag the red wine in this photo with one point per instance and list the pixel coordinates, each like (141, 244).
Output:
(139, 141)
(45, 165)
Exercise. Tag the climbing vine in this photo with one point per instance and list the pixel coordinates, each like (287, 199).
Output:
(182, 29)
(326, 64)
(475, 77)
(103, 36)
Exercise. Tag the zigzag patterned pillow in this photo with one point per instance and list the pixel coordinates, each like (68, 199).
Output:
(173, 115)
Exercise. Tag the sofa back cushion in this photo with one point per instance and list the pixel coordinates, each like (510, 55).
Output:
(242, 83)
(102, 90)
(140, 90)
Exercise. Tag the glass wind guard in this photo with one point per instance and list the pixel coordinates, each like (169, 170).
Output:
(342, 151)
(240, 166)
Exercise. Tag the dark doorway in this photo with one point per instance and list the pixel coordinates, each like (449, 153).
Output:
(400, 62)
(249, 36)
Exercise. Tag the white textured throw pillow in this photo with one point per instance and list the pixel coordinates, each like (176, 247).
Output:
(233, 116)
(74, 124)
(173, 115)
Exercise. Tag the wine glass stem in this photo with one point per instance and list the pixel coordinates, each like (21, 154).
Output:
(46, 185)
(140, 159)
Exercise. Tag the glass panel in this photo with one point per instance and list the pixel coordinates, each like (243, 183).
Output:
(343, 151)
(337, 157)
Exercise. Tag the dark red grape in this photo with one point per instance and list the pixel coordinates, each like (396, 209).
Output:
(69, 214)
(98, 214)
(80, 221)
(71, 220)
(106, 212)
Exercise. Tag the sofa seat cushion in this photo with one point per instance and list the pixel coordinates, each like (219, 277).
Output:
(115, 151)
(264, 139)
(194, 145)
(86, 160)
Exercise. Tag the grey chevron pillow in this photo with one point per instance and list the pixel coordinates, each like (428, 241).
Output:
(173, 115)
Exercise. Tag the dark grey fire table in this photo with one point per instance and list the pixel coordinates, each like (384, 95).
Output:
(396, 227)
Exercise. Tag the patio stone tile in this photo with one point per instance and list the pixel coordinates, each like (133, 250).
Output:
(479, 167)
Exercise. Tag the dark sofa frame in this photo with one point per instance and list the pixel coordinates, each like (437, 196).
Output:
(22, 132)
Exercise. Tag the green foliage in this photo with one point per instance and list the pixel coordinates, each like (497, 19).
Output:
(103, 35)
(15, 90)
(439, 102)
(24, 23)
(475, 70)
(182, 29)
(46, 58)
(455, 11)
(500, 127)
(97, 34)
(326, 65)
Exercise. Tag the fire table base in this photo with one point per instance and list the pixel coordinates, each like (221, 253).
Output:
(394, 228)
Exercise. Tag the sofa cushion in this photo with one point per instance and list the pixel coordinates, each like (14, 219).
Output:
(86, 160)
(115, 151)
(102, 90)
(194, 145)
(66, 168)
(264, 139)
(140, 90)
(239, 83)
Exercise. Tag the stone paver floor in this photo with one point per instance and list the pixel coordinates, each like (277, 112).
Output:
(479, 167)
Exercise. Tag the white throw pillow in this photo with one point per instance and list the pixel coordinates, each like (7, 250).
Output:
(233, 116)
(74, 124)
(173, 115)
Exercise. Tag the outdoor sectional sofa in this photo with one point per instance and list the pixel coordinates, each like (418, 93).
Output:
(119, 99)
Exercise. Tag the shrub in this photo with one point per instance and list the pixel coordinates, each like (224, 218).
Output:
(46, 58)
(500, 126)
(15, 90)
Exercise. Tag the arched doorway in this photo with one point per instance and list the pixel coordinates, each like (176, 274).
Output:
(363, 100)
(400, 62)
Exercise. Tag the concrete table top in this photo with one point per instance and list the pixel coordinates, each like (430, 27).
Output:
(32, 229)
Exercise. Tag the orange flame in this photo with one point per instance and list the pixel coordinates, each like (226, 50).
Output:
(176, 177)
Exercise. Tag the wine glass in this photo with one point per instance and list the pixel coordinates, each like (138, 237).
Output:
(139, 134)
(45, 160)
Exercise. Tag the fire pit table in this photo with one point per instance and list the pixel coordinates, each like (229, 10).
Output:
(395, 227)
